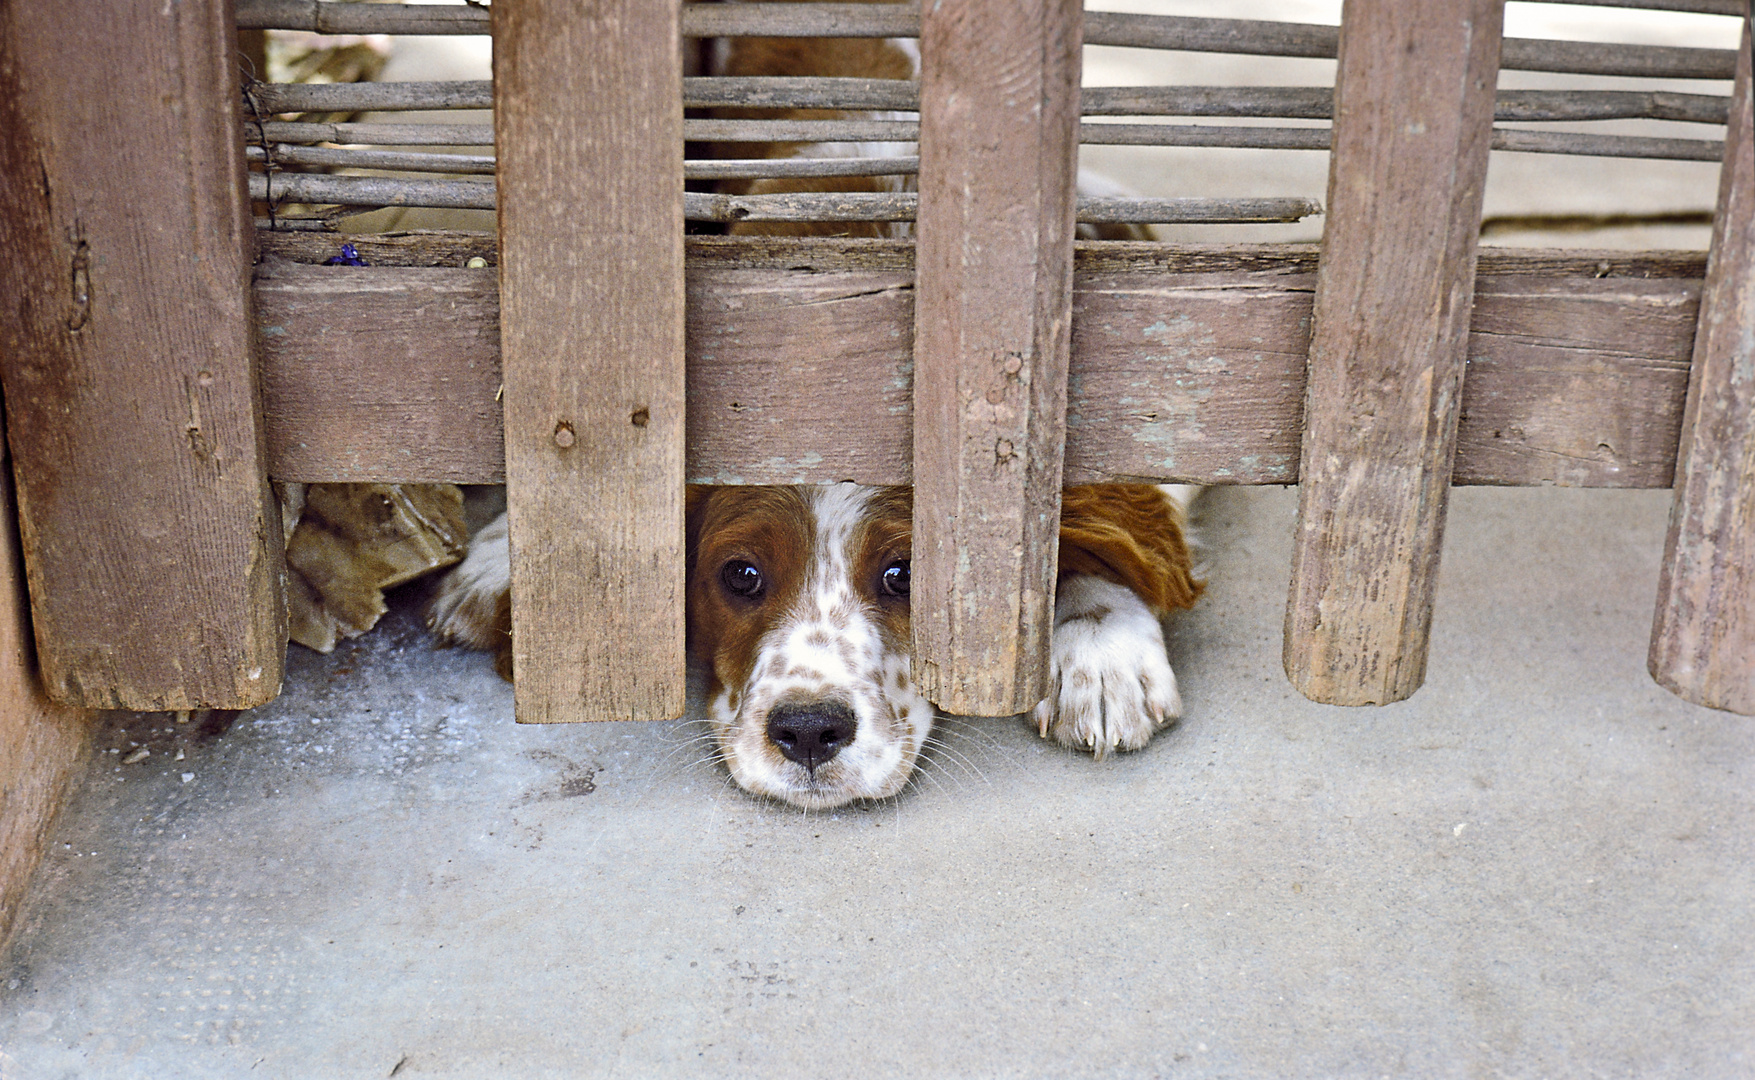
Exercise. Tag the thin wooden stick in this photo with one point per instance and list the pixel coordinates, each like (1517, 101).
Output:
(1317, 103)
(319, 17)
(1702, 7)
(271, 98)
(720, 169)
(755, 168)
(330, 190)
(286, 131)
(356, 158)
(899, 95)
(324, 189)
(864, 206)
(1252, 37)
(791, 92)
(1099, 134)
(1621, 146)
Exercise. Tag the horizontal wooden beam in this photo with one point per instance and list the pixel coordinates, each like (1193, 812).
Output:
(1187, 363)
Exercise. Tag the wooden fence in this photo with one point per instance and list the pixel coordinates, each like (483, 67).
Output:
(159, 369)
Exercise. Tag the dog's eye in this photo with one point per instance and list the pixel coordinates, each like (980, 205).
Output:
(741, 578)
(895, 578)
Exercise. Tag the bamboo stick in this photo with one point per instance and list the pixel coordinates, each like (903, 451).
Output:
(1271, 102)
(1247, 36)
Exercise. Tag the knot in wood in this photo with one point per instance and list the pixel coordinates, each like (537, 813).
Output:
(564, 437)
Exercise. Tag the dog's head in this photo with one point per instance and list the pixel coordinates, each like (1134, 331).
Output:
(798, 599)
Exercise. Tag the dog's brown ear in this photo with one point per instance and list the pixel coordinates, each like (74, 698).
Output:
(1130, 534)
(694, 508)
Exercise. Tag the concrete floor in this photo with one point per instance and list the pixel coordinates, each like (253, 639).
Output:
(1540, 866)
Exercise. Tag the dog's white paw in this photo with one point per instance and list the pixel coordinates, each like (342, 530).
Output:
(1111, 687)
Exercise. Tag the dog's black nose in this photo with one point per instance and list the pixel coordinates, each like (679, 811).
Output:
(813, 732)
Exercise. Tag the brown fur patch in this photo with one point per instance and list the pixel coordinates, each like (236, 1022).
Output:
(884, 536)
(768, 527)
(1130, 534)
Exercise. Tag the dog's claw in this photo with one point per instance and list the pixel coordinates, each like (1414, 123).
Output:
(1112, 687)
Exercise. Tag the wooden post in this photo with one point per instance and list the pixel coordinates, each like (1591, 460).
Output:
(41, 743)
(998, 163)
(152, 544)
(1703, 638)
(588, 124)
(1413, 110)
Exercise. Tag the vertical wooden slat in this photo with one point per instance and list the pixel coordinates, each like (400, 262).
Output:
(151, 541)
(588, 123)
(1413, 108)
(998, 160)
(1703, 637)
(41, 743)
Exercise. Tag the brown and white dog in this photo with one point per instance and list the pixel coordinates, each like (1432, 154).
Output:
(798, 596)
(798, 602)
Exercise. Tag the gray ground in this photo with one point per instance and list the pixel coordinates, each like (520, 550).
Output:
(1539, 866)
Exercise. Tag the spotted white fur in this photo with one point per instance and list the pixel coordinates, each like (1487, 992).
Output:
(1111, 685)
(827, 648)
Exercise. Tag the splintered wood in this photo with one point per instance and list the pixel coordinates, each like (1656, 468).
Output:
(992, 333)
(1703, 637)
(588, 115)
(151, 541)
(1413, 109)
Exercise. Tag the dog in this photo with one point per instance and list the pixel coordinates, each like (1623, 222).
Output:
(798, 605)
(798, 596)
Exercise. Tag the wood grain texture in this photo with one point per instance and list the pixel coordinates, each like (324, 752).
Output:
(999, 95)
(588, 113)
(1546, 355)
(1703, 635)
(1187, 364)
(41, 743)
(152, 544)
(361, 363)
(1413, 110)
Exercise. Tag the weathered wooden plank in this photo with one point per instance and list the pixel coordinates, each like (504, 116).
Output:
(361, 363)
(41, 743)
(588, 113)
(761, 410)
(1188, 375)
(1703, 636)
(1413, 111)
(992, 332)
(1192, 374)
(152, 544)
(1546, 354)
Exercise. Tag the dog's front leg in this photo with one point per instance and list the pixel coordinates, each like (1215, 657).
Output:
(1110, 684)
